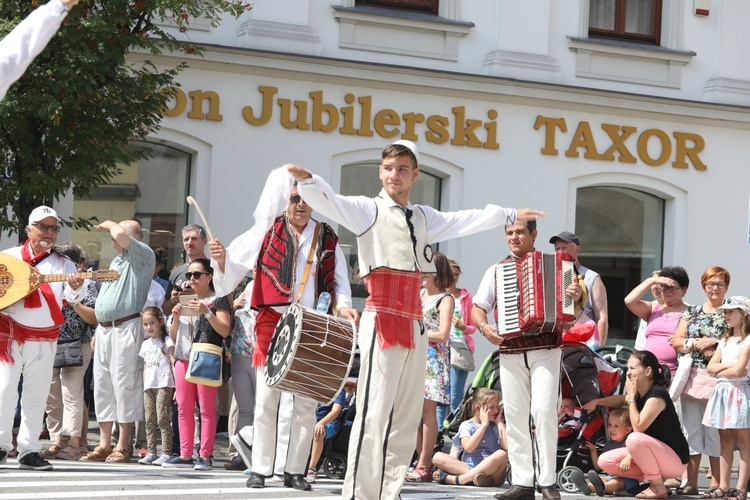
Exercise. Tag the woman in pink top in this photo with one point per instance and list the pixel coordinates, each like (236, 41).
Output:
(661, 319)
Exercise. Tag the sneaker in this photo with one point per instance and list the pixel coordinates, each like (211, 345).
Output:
(142, 452)
(148, 459)
(178, 463)
(33, 461)
(243, 443)
(577, 478)
(597, 482)
(161, 459)
(203, 463)
(235, 464)
(3, 456)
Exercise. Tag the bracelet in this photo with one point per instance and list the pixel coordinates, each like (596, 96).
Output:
(631, 401)
(481, 328)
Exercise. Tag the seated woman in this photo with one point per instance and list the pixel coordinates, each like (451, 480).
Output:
(657, 447)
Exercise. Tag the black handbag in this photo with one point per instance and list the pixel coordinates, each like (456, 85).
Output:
(68, 353)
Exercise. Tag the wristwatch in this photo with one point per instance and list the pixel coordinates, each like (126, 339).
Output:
(208, 314)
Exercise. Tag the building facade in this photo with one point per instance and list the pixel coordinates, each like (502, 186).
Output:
(625, 120)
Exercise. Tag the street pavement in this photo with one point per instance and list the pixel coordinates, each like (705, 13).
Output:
(82, 480)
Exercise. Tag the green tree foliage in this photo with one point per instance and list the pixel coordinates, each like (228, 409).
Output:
(66, 123)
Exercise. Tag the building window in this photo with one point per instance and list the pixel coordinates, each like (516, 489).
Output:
(627, 20)
(430, 6)
(362, 179)
(622, 233)
(153, 191)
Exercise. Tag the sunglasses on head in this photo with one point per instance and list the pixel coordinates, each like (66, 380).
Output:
(195, 274)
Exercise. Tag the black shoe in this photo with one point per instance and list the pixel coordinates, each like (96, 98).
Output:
(3, 456)
(235, 464)
(516, 492)
(597, 482)
(33, 461)
(551, 493)
(296, 481)
(576, 477)
(256, 481)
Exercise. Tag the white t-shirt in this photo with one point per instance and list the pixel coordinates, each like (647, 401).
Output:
(157, 367)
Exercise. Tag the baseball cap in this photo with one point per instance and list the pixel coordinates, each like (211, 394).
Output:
(410, 145)
(567, 237)
(736, 302)
(42, 212)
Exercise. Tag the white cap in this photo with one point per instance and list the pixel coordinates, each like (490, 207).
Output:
(42, 212)
(410, 145)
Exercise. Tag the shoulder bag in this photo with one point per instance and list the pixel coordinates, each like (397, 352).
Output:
(68, 353)
(205, 364)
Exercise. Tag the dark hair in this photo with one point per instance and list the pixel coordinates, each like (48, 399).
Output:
(530, 225)
(398, 150)
(660, 373)
(677, 273)
(156, 313)
(206, 265)
(444, 275)
(69, 250)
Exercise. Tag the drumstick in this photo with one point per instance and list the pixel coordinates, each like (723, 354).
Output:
(191, 201)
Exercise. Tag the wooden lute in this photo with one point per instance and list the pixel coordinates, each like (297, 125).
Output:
(18, 279)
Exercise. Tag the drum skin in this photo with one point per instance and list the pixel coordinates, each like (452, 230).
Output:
(310, 354)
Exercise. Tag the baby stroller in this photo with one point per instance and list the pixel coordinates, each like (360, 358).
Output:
(585, 375)
(333, 460)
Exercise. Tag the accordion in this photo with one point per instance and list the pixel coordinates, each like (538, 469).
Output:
(531, 295)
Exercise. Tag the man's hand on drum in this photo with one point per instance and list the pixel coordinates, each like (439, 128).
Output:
(218, 253)
(349, 313)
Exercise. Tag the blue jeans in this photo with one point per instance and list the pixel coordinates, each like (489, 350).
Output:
(458, 383)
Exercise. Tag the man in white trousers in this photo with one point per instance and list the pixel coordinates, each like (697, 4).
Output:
(529, 379)
(28, 338)
(282, 266)
(19, 48)
(394, 238)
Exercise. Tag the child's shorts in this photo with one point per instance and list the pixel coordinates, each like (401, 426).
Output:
(629, 483)
(331, 430)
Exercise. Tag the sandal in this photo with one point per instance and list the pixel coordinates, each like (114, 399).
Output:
(688, 489)
(483, 480)
(70, 452)
(439, 476)
(420, 475)
(735, 494)
(52, 451)
(715, 492)
(649, 495)
(98, 455)
(119, 455)
(312, 475)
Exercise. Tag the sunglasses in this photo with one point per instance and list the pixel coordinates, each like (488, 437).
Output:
(296, 199)
(45, 228)
(195, 274)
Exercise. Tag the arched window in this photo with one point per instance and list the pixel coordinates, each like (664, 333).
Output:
(622, 238)
(152, 191)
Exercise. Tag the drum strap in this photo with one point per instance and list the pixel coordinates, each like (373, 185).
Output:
(309, 262)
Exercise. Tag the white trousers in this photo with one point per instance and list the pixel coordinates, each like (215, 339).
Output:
(390, 395)
(267, 429)
(531, 388)
(34, 361)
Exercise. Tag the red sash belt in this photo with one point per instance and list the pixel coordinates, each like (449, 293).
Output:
(11, 330)
(394, 296)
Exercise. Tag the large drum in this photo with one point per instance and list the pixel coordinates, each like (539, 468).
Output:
(311, 354)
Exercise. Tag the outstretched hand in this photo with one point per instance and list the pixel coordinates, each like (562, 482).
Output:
(298, 172)
(524, 214)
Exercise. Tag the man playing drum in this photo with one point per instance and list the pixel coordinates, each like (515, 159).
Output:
(281, 266)
(394, 250)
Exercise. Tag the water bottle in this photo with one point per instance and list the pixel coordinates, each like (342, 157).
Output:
(324, 302)
(457, 314)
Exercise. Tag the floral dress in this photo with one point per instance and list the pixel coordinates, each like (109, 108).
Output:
(700, 325)
(437, 385)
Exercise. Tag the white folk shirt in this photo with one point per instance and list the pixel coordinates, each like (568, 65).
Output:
(19, 48)
(358, 213)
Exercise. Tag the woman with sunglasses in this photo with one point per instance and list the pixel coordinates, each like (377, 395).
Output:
(205, 319)
(661, 319)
